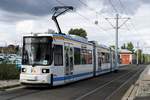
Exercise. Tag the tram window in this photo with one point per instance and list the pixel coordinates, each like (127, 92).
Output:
(105, 57)
(86, 56)
(99, 59)
(89, 57)
(58, 55)
(83, 56)
(77, 57)
(71, 51)
(37, 51)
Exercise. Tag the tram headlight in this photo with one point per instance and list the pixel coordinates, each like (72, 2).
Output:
(45, 70)
(23, 69)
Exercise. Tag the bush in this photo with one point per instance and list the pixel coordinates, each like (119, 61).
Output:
(8, 71)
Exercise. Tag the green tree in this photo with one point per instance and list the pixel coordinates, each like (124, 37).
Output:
(140, 55)
(124, 46)
(80, 32)
(112, 46)
(130, 47)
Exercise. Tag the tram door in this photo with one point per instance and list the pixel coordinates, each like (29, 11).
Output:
(68, 53)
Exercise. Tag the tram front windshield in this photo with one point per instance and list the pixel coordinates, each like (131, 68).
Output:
(37, 51)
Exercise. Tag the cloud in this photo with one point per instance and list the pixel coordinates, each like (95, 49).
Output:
(17, 10)
(19, 17)
(8, 17)
(33, 7)
(28, 8)
(125, 7)
(25, 26)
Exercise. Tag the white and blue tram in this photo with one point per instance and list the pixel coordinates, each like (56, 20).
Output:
(57, 59)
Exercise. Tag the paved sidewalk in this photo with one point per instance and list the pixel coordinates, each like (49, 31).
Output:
(141, 89)
(4, 84)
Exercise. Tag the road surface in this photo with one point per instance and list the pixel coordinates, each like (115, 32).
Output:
(111, 86)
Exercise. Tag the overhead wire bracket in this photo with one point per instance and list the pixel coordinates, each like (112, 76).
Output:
(59, 10)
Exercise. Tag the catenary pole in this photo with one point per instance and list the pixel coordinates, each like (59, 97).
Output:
(117, 27)
(116, 42)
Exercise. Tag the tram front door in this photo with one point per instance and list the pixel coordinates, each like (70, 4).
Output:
(68, 52)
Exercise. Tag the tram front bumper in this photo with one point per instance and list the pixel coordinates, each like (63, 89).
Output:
(35, 79)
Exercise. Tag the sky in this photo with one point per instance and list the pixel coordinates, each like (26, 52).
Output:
(20, 17)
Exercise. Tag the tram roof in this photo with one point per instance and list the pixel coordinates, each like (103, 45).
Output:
(103, 46)
(71, 37)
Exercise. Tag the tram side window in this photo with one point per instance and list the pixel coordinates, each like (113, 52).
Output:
(86, 56)
(58, 55)
(83, 56)
(99, 59)
(89, 56)
(77, 56)
(105, 57)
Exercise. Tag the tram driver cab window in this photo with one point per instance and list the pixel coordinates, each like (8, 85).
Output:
(58, 55)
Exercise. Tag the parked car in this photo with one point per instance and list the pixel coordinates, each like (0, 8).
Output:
(18, 62)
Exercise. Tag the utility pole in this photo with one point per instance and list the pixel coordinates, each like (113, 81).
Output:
(117, 27)
(116, 47)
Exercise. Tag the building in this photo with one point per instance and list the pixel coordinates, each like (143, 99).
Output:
(10, 49)
(126, 56)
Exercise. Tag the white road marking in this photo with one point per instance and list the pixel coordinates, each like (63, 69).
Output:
(15, 88)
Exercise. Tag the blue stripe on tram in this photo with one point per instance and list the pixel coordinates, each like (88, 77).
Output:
(77, 75)
(71, 76)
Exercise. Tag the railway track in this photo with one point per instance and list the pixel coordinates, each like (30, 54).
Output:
(122, 80)
(121, 86)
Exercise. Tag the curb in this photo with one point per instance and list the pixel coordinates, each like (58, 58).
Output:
(10, 86)
(134, 89)
(131, 92)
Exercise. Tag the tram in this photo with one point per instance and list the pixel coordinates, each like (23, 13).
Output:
(56, 59)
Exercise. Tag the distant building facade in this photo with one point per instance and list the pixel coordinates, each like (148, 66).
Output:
(10, 49)
(126, 56)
